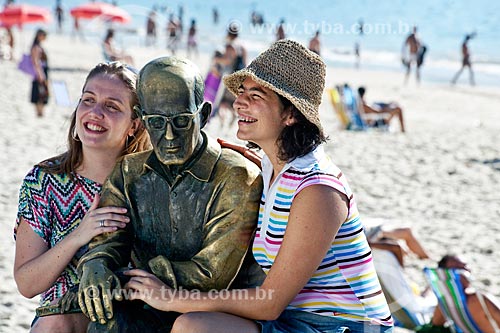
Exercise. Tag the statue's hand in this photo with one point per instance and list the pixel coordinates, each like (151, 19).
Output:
(162, 268)
(98, 286)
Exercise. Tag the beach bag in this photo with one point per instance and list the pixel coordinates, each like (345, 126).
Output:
(212, 84)
(26, 65)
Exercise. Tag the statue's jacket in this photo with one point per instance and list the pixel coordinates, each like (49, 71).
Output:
(192, 230)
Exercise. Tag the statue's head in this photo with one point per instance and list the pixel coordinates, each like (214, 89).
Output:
(170, 92)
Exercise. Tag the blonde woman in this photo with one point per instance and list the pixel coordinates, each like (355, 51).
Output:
(58, 212)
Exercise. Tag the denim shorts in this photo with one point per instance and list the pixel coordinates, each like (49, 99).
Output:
(306, 322)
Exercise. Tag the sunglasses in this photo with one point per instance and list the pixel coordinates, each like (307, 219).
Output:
(158, 122)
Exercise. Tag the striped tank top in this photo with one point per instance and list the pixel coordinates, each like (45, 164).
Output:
(345, 284)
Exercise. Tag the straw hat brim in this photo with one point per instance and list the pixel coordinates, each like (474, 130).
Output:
(233, 82)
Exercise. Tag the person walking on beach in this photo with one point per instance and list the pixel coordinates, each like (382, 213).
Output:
(315, 44)
(40, 84)
(215, 15)
(310, 242)
(465, 60)
(357, 54)
(192, 45)
(410, 53)
(59, 12)
(280, 33)
(173, 34)
(360, 27)
(151, 29)
(357, 43)
(58, 214)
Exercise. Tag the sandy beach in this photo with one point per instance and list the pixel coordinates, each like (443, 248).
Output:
(442, 177)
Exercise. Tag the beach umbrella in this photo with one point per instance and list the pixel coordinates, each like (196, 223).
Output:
(102, 10)
(19, 14)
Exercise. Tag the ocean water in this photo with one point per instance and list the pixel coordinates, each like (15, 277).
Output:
(442, 26)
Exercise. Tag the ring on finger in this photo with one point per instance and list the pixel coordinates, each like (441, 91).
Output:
(101, 223)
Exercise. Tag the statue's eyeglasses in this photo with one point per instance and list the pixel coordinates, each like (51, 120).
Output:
(158, 122)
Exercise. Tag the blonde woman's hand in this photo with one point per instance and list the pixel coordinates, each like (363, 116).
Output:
(148, 288)
(98, 221)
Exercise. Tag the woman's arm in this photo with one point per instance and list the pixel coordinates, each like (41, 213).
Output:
(316, 215)
(37, 267)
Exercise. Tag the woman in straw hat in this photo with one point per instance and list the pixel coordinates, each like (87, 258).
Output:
(58, 214)
(309, 240)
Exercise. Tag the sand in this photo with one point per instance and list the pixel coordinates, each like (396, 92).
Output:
(442, 177)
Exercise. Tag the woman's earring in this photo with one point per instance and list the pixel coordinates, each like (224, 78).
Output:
(74, 135)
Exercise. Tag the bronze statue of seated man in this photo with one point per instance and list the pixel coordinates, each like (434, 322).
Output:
(193, 207)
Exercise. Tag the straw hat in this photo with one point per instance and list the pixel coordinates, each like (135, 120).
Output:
(290, 70)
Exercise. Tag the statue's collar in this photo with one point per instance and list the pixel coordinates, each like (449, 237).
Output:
(200, 167)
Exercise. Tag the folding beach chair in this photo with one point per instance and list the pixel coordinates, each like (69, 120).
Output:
(348, 107)
(408, 309)
(338, 106)
(446, 285)
(352, 109)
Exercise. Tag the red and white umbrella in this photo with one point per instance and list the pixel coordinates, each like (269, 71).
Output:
(19, 14)
(102, 10)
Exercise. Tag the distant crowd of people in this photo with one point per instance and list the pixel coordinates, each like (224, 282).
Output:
(412, 55)
(174, 31)
(414, 51)
(231, 57)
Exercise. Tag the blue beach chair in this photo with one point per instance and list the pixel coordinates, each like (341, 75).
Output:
(338, 106)
(446, 285)
(349, 110)
(351, 106)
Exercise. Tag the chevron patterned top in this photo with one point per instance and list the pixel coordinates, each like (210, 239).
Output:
(53, 205)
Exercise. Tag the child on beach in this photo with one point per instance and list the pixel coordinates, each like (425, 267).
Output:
(58, 214)
(309, 240)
